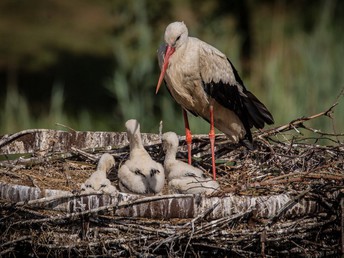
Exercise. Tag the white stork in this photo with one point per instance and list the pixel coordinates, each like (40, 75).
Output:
(204, 82)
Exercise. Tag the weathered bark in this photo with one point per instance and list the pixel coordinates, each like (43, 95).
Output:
(165, 206)
(45, 141)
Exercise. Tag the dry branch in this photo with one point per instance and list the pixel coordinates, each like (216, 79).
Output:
(297, 123)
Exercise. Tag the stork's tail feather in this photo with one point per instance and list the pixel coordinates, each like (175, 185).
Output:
(257, 112)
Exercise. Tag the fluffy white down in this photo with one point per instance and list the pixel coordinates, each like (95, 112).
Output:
(182, 177)
(140, 174)
(98, 181)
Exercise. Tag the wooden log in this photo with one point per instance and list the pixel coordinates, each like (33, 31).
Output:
(48, 141)
(164, 206)
(45, 140)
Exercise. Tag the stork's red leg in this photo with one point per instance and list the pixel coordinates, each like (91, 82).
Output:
(212, 140)
(188, 135)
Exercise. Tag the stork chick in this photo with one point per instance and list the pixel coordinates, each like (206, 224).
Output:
(98, 181)
(182, 177)
(140, 174)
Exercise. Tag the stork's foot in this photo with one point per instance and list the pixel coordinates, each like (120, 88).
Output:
(248, 144)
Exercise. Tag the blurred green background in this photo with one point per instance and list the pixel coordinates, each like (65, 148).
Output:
(91, 65)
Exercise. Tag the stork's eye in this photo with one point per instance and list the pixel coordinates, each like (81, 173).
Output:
(178, 38)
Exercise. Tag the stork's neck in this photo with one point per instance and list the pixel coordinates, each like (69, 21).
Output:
(136, 142)
(170, 155)
(105, 164)
(179, 52)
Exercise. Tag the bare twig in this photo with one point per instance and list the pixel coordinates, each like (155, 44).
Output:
(92, 157)
(15, 241)
(288, 205)
(76, 215)
(296, 123)
(66, 126)
(181, 232)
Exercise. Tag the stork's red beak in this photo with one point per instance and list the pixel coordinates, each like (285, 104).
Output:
(169, 51)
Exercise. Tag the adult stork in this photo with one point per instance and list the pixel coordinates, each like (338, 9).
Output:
(204, 82)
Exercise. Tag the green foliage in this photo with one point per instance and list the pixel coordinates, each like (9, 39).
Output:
(33, 32)
(301, 72)
(294, 66)
(15, 112)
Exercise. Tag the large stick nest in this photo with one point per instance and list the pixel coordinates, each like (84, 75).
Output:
(285, 198)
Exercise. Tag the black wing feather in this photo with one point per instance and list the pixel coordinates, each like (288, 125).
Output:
(229, 97)
(245, 105)
(256, 107)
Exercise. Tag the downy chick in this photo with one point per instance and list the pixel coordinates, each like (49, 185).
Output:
(98, 181)
(182, 177)
(140, 174)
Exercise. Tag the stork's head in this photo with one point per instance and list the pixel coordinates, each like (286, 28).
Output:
(176, 34)
(169, 141)
(133, 133)
(133, 127)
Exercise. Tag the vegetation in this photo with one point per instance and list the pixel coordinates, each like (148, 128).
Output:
(92, 65)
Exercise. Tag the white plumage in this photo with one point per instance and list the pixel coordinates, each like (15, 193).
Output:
(182, 177)
(204, 82)
(139, 174)
(198, 74)
(98, 181)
